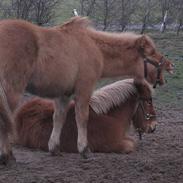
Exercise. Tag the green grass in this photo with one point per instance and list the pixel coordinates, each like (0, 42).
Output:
(171, 94)
(64, 10)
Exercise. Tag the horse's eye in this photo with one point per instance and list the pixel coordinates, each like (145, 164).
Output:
(153, 52)
(149, 102)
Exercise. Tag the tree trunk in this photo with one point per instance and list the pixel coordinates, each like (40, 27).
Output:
(179, 27)
(163, 25)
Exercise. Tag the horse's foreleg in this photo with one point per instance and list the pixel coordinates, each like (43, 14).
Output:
(59, 118)
(82, 113)
(82, 98)
(127, 145)
(83, 92)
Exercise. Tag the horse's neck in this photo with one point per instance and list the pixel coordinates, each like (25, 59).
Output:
(118, 54)
(125, 111)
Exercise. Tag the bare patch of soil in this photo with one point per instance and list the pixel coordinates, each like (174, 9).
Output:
(158, 159)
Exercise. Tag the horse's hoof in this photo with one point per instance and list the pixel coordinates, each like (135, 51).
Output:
(85, 152)
(6, 159)
(56, 151)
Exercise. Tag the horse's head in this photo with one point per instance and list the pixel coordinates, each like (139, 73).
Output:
(154, 62)
(144, 119)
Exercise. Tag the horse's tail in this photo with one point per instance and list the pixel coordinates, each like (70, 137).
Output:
(6, 118)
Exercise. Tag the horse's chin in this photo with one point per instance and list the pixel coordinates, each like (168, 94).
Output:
(170, 71)
(151, 128)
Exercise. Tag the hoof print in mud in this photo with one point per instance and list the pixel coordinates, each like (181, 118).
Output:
(7, 159)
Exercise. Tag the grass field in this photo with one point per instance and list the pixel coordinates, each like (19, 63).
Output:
(172, 46)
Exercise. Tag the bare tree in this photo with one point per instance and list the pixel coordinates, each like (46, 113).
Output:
(145, 17)
(164, 5)
(37, 11)
(43, 11)
(87, 7)
(163, 25)
(18, 8)
(125, 8)
(107, 13)
(177, 9)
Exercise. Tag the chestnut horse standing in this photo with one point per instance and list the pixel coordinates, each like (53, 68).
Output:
(112, 109)
(60, 61)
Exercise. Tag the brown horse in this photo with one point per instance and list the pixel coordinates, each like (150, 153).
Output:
(63, 60)
(112, 109)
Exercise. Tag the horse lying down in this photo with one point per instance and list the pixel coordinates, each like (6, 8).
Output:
(112, 109)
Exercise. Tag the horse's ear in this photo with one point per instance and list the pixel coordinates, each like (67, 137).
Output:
(142, 86)
(138, 85)
(141, 41)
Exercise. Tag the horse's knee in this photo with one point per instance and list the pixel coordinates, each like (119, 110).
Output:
(128, 145)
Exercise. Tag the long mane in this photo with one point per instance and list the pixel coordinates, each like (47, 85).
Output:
(112, 95)
(106, 39)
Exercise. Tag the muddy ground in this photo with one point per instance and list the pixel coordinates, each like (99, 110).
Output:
(158, 159)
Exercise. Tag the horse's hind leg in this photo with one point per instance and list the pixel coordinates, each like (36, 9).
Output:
(5, 147)
(8, 102)
(82, 113)
(59, 118)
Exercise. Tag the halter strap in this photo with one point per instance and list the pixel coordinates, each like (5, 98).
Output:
(155, 64)
(147, 116)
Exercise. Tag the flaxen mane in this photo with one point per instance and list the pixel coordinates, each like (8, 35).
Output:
(112, 95)
(126, 39)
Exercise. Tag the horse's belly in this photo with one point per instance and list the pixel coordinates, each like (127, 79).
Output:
(53, 78)
(47, 91)
(50, 87)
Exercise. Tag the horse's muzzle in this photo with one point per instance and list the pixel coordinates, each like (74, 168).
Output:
(152, 127)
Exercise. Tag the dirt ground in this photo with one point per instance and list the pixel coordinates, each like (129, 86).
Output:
(158, 159)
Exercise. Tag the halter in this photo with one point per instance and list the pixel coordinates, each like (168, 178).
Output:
(147, 116)
(155, 64)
